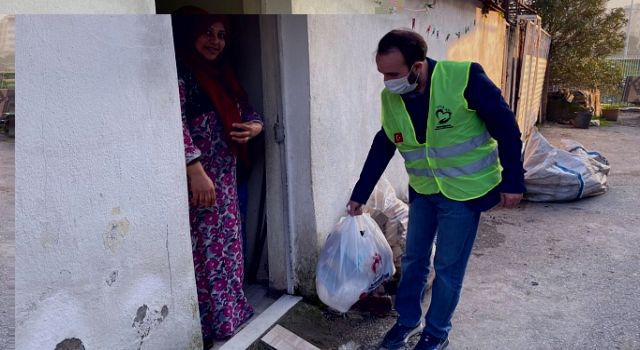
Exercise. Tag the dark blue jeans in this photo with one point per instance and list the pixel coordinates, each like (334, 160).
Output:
(456, 226)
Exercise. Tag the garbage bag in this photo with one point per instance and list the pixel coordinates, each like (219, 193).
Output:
(392, 215)
(354, 261)
(554, 174)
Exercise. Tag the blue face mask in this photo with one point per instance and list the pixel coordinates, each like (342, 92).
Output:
(402, 85)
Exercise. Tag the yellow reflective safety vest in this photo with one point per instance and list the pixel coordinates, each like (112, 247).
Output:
(459, 158)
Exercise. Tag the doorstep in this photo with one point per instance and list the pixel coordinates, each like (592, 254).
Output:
(259, 325)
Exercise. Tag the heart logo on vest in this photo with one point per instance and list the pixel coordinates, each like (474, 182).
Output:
(443, 114)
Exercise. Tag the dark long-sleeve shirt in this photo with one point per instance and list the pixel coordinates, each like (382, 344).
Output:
(485, 98)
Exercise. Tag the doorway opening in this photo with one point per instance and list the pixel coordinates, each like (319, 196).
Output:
(244, 50)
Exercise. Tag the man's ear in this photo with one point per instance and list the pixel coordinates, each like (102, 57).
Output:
(413, 74)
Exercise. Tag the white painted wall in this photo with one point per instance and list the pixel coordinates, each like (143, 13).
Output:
(345, 107)
(486, 44)
(226, 7)
(334, 7)
(102, 231)
(230, 6)
(345, 88)
(78, 6)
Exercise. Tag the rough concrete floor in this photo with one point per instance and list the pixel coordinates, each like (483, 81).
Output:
(7, 244)
(542, 276)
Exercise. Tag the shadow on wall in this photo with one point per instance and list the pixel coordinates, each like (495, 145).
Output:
(485, 43)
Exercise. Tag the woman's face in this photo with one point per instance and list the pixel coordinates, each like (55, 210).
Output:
(211, 43)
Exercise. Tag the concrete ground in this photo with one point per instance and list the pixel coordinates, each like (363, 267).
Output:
(542, 276)
(7, 243)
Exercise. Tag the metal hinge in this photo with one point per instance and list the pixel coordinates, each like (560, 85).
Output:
(278, 131)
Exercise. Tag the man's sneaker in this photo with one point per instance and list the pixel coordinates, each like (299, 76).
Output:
(398, 335)
(429, 342)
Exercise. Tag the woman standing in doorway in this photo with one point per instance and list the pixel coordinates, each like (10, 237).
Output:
(217, 124)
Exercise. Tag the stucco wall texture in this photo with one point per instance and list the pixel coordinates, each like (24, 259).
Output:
(334, 7)
(485, 45)
(345, 89)
(102, 225)
(78, 6)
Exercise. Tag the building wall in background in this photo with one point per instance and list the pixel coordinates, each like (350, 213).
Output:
(345, 91)
(334, 7)
(485, 45)
(233, 7)
(7, 35)
(102, 232)
(78, 6)
(229, 7)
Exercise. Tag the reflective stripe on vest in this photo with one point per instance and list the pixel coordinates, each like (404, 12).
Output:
(448, 151)
(468, 169)
(458, 157)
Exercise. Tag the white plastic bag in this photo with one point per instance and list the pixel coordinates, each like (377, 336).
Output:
(392, 216)
(354, 261)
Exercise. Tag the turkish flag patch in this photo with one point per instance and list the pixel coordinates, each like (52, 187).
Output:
(397, 137)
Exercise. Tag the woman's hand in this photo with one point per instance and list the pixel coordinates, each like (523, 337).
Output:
(247, 131)
(203, 191)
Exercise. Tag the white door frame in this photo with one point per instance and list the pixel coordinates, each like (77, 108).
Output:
(290, 209)
(277, 206)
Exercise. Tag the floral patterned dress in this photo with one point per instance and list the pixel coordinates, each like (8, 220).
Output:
(215, 231)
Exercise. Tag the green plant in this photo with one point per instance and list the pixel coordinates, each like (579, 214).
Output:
(616, 105)
(583, 34)
(603, 122)
(7, 84)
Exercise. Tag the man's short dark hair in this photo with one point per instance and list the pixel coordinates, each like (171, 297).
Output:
(410, 44)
